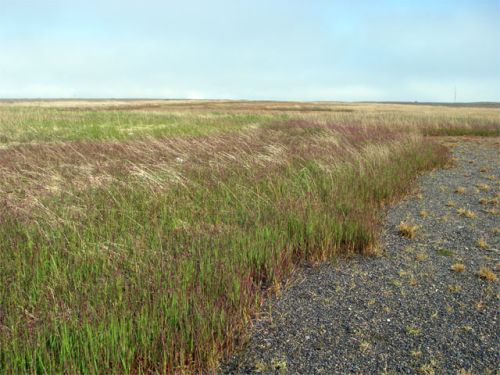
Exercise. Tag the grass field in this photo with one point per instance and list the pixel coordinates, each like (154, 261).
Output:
(141, 236)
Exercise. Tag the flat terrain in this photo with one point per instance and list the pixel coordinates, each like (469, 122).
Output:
(427, 304)
(143, 236)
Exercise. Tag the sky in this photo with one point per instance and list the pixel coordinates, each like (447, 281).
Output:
(251, 49)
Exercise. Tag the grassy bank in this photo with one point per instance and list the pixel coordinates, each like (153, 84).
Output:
(141, 254)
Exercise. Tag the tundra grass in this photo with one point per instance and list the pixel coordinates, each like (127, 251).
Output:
(35, 124)
(159, 268)
(22, 122)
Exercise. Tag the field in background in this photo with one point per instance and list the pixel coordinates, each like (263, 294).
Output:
(140, 236)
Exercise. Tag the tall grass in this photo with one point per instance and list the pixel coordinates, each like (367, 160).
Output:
(94, 120)
(160, 268)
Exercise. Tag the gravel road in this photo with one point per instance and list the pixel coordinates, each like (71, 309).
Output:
(406, 311)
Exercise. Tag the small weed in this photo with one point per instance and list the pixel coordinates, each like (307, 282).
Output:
(466, 213)
(421, 256)
(463, 371)
(444, 252)
(424, 214)
(483, 170)
(413, 331)
(407, 229)
(402, 273)
(479, 306)
(451, 203)
(364, 346)
(458, 267)
(397, 283)
(483, 187)
(454, 288)
(416, 353)
(489, 201)
(428, 368)
(467, 328)
(279, 364)
(482, 243)
(492, 177)
(492, 211)
(487, 274)
(460, 190)
(260, 367)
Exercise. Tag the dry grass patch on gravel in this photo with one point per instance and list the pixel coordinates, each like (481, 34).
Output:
(407, 229)
(451, 203)
(487, 274)
(458, 267)
(466, 213)
(424, 214)
(482, 243)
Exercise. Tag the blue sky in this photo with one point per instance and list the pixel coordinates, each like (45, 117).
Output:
(255, 49)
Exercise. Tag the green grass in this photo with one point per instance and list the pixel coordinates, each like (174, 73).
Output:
(33, 124)
(152, 256)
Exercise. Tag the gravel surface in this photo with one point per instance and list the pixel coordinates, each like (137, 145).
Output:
(405, 311)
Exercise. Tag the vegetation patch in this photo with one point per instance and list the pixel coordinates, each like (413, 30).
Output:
(143, 240)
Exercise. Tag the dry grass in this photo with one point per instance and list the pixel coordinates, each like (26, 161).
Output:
(482, 243)
(421, 256)
(460, 190)
(407, 229)
(424, 214)
(458, 267)
(487, 274)
(466, 213)
(483, 187)
(489, 201)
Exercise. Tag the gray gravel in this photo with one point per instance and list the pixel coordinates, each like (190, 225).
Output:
(405, 311)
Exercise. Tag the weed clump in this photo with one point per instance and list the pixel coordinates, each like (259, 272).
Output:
(458, 267)
(466, 213)
(487, 274)
(407, 229)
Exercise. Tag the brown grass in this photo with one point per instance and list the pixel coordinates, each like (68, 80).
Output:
(407, 229)
(487, 274)
(458, 267)
(466, 213)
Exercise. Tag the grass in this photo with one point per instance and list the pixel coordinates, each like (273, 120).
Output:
(466, 213)
(487, 274)
(481, 243)
(458, 267)
(141, 237)
(424, 214)
(444, 252)
(407, 229)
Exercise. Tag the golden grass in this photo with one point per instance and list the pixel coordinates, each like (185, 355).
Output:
(466, 213)
(424, 214)
(460, 190)
(482, 243)
(407, 229)
(483, 187)
(487, 274)
(458, 267)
